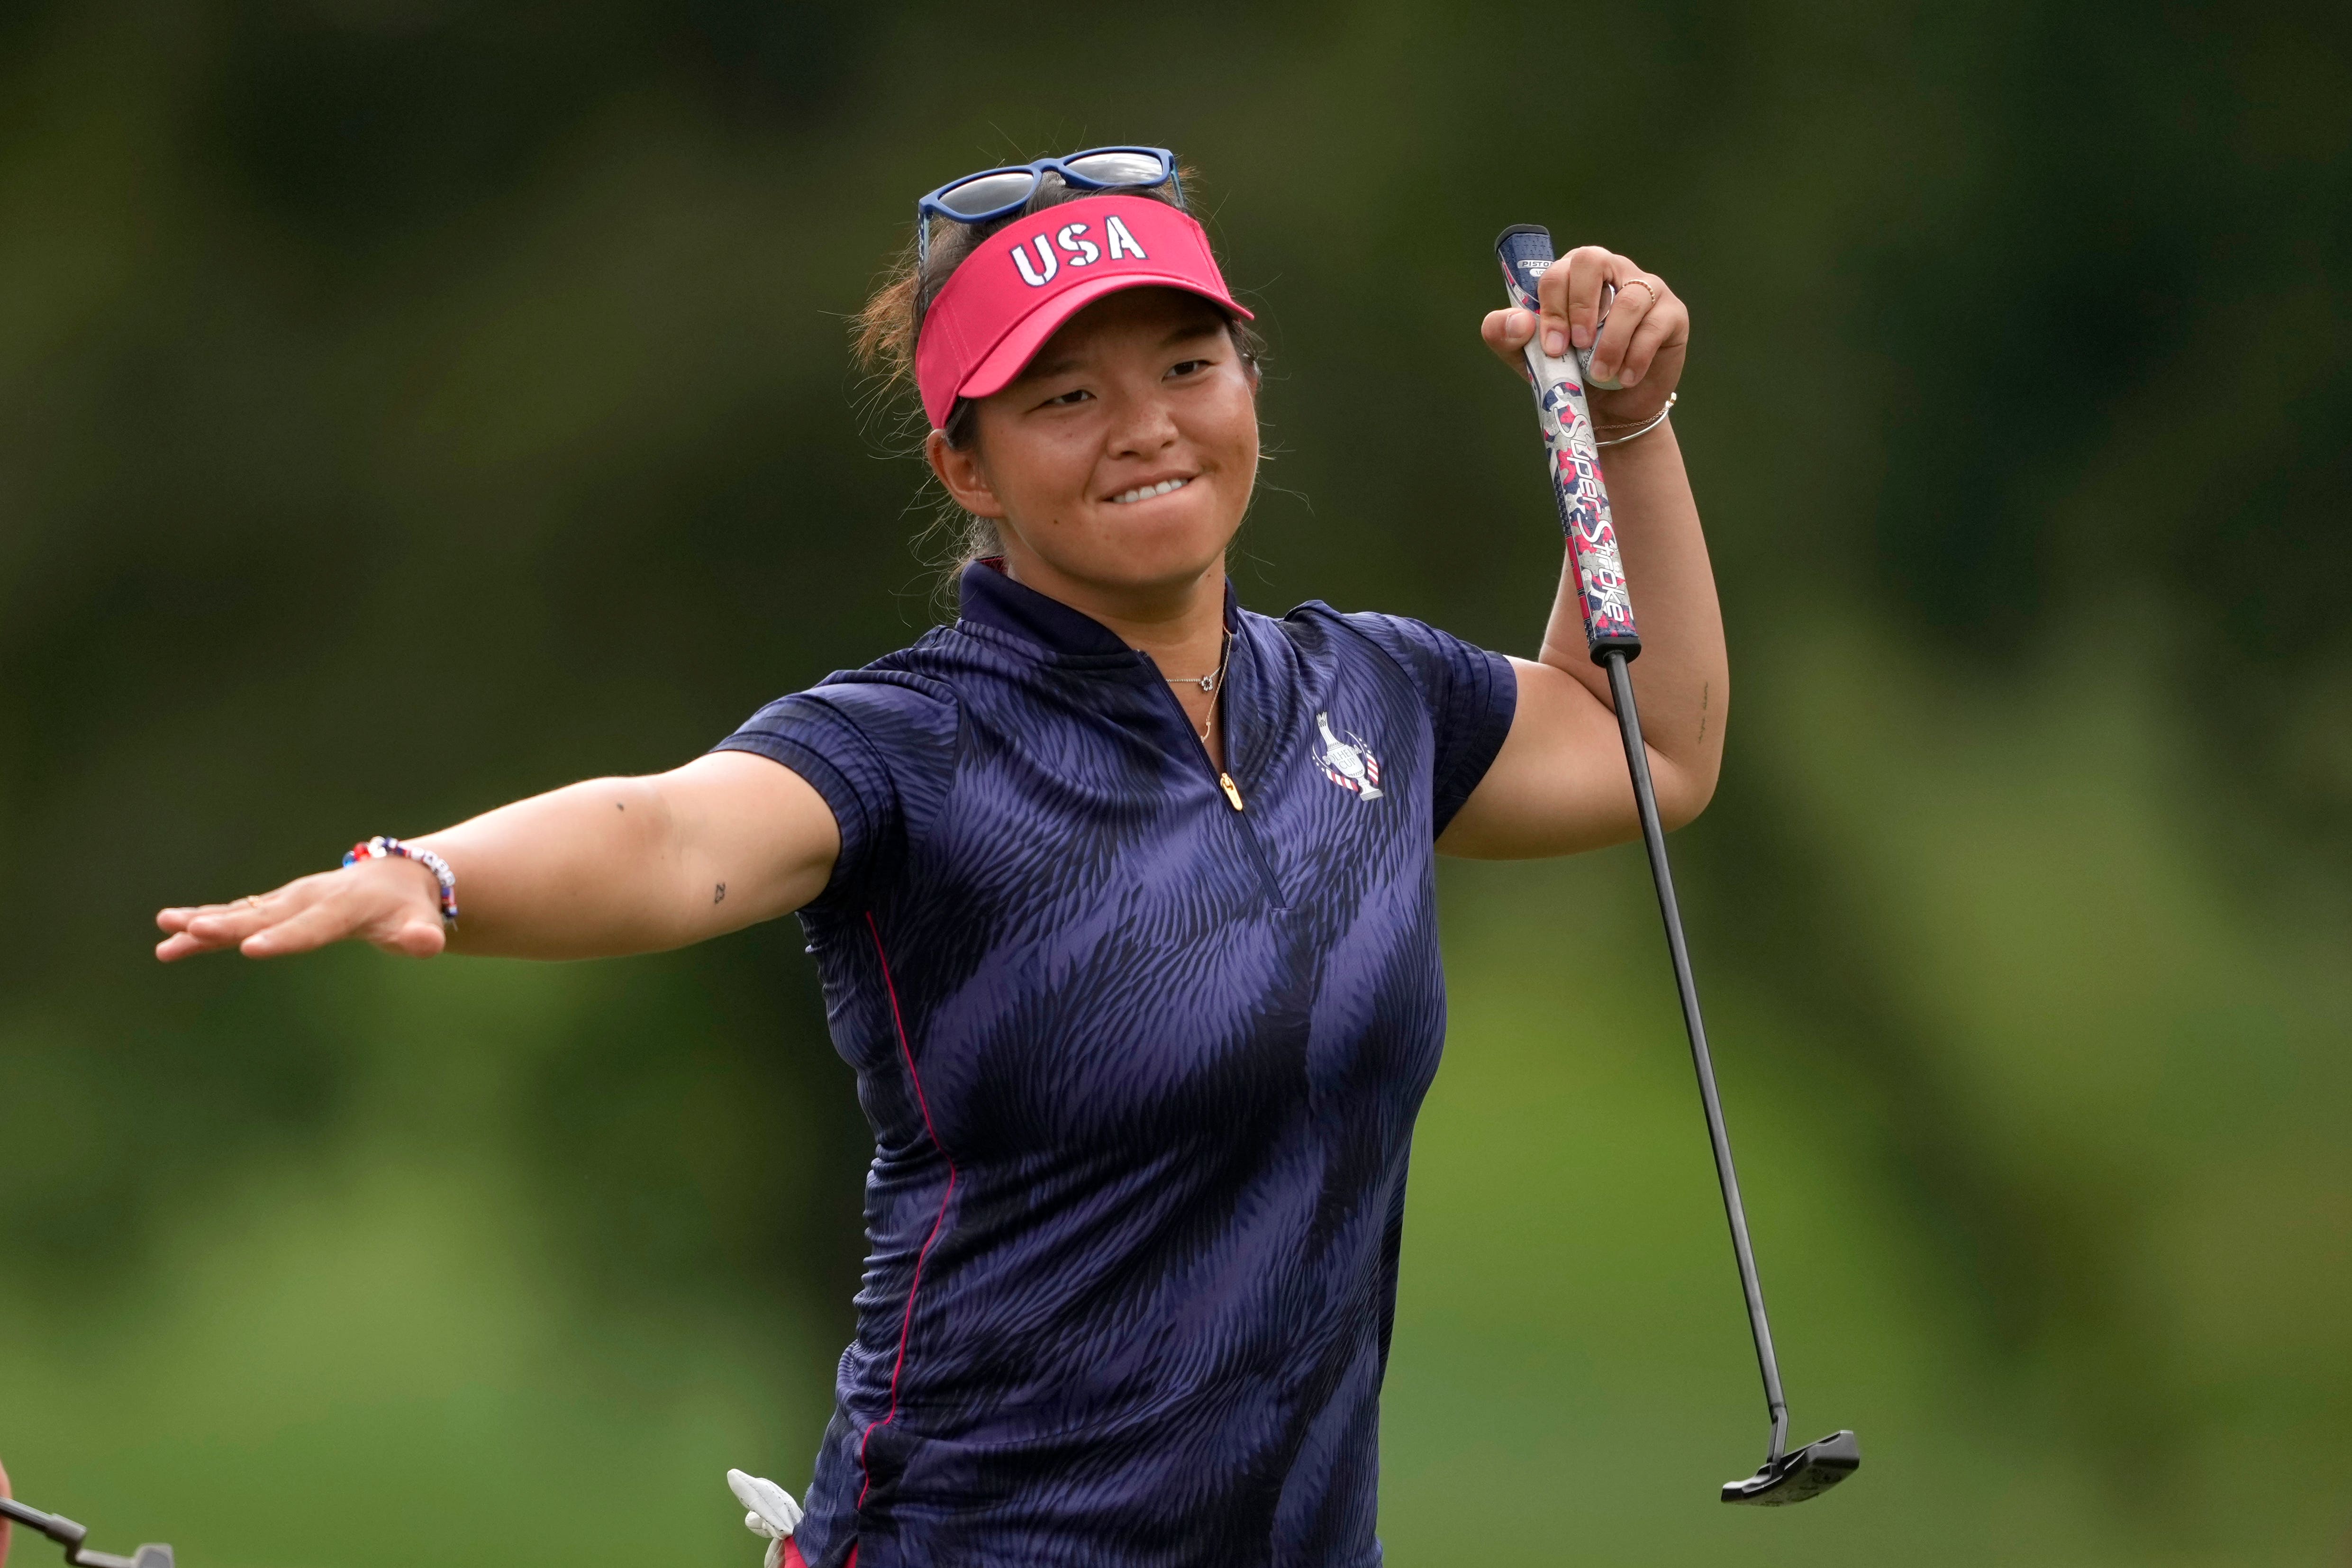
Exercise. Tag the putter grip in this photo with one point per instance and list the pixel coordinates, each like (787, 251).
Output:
(1525, 251)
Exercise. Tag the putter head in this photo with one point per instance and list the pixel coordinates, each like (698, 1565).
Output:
(1809, 1472)
(71, 1535)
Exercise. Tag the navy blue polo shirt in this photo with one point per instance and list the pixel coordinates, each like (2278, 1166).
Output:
(1142, 1056)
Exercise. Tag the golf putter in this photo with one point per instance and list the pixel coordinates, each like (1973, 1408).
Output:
(1525, 250)
(71, 1536)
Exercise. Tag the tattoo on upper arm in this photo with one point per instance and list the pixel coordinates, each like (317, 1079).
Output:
(1705, 687)
(719, 894)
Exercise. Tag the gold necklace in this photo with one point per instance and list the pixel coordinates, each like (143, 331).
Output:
(1214, 678)
(1211, 683)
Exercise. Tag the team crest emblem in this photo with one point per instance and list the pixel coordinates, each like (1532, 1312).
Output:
(1349, 763)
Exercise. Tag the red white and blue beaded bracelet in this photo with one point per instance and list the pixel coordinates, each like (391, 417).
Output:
(380, 847)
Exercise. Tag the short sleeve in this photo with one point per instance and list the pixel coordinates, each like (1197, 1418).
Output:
(879, 745)
(1470, 694)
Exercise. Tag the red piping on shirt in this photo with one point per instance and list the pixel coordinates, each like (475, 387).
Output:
(906, 1322)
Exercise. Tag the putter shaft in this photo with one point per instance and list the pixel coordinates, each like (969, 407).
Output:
(1653, 837)
(1604, 600)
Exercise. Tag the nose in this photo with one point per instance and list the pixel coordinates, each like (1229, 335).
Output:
(1144, 425)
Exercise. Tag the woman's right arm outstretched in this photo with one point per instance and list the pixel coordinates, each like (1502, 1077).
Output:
(596, 870)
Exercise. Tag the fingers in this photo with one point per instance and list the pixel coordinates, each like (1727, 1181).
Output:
(1643, 317)
(373, 909)
(312, 927)
(383, 903)
(1658, 345)
(177, 919)
(1634, 301)
(1506, 332)
(1570, 292)
(1644, 322)
(209, 927)
(175, 947)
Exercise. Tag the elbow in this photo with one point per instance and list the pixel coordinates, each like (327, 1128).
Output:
(1682, 790)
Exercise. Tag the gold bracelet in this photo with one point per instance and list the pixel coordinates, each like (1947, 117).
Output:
(1661, 419)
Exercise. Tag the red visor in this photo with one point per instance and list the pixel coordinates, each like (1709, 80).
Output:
(1024, 280)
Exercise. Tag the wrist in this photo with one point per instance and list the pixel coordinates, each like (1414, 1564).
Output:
(442, 881)
(1625, 433)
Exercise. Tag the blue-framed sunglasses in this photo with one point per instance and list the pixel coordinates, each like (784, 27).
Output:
(997, 193)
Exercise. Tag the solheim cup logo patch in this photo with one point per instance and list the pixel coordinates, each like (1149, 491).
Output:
(1349, 763)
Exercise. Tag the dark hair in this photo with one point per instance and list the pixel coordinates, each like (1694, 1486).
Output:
(885, 333)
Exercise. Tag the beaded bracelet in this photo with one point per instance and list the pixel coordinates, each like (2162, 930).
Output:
(380, 847)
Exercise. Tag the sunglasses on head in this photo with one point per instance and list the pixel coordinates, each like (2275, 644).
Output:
(999, 193)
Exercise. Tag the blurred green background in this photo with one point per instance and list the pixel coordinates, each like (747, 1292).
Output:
(409, 405)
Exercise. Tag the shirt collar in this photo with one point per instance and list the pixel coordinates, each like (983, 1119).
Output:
(986, 595)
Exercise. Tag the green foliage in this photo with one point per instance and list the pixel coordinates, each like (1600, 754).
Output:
(404, 406)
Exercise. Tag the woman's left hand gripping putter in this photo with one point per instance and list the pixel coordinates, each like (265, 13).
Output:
(1525, 251)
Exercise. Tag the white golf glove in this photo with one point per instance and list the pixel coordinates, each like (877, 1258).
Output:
(773, 1513)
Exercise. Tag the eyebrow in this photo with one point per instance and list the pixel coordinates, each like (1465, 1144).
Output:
(1038, 369)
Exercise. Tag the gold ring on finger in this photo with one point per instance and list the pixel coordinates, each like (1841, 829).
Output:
(1642, 282)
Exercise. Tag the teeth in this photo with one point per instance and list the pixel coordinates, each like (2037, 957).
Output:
(1145, 492)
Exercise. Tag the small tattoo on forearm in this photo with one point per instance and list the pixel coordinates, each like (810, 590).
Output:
(719, 894)
(1703, 691)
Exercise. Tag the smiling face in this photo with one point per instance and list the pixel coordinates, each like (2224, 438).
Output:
(1118, 468)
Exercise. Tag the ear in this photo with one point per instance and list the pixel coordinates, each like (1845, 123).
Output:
(960, 475)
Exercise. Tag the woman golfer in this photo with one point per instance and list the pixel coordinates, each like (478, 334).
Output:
(1123, 896)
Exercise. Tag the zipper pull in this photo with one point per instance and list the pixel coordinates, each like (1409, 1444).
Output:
(1232, 792)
